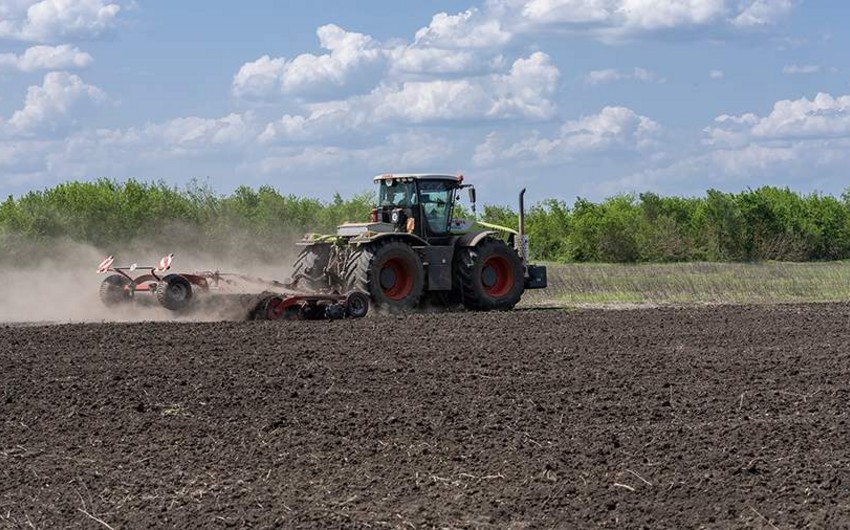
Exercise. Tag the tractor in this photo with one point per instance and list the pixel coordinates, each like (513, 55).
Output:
(414, 251)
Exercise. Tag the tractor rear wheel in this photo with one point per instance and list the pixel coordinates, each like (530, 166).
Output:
(174, 292)
(489, 275)
(114, 290)
(391, 272)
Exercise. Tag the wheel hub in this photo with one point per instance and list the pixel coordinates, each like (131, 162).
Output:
(388, 278)
(489, 276)
(178, 292)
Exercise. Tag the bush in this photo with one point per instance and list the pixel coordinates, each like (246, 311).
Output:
(763, 224)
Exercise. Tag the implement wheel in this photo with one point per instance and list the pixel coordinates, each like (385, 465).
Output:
(114, 290)
(356, 304)
(274, 308)
(489, 275)
(174, 292)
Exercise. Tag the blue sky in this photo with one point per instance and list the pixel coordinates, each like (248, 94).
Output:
(569, 98)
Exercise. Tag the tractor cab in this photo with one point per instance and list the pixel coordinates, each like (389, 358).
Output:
(418, 204)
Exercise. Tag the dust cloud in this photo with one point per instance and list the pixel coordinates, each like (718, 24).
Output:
(58, 283)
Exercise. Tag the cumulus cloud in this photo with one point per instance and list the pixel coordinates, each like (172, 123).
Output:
(350, 54)
(199, 143)
(824, 116)
(522, 93)
(470, 29)
(50, 108)
(596, 77)
(41, 57)
(51, 20)
(409, 59)
(763, 12)
(619, 18)
(612, 129)
(800, 137)
(183, 135)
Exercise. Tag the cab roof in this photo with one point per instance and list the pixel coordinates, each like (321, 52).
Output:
(417, 176)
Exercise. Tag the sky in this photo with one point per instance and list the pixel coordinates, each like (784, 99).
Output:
(568, 98)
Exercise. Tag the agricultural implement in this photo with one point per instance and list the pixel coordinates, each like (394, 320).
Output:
(414, 251)
(183, 292)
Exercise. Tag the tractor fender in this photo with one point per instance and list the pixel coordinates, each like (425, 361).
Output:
(410, 239)
(473, 238)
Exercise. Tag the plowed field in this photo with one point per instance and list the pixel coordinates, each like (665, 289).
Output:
(716, 417)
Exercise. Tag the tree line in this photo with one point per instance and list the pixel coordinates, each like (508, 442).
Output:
(767, 223)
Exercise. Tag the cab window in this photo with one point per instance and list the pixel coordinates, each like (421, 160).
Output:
(396, 193)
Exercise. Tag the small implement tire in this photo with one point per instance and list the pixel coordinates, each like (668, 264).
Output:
(489, 276)
(174, 292)
(114, 290)
(272, 308)
(390, 271)
(356, 304)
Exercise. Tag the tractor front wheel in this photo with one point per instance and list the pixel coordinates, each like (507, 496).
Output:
(391, 272)
(489, 276)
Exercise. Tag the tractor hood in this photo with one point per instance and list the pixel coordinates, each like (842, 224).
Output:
(356, 229)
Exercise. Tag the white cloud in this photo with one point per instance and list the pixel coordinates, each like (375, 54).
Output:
(716, 74)
(612, 19)
(824, 116)
(596, 77)
(469, 29)
(50, 108)
(149, 151)
(612, 129)
(50, 20)
(43, 57)
(350, 53)
(799, 138)
(195, 133)
(651, 15)
(409, 59)
(763, 12)
(792, 69)
(522, 93)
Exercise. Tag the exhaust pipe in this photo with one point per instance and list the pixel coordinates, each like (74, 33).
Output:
(522, 241)
(534, 275)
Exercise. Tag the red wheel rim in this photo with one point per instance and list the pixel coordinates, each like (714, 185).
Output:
(402, 273)
(499, 270)
(275, 308)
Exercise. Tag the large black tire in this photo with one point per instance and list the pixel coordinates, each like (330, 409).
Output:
(489, 276)
(174, 292)
(114, 290)
(308, 271)
(390, 272)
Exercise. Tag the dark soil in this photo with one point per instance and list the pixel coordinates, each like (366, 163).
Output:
(711, 417)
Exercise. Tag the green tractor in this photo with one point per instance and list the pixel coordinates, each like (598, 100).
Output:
(414, 251)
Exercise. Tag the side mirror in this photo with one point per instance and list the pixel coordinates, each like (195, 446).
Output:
(471, 192)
